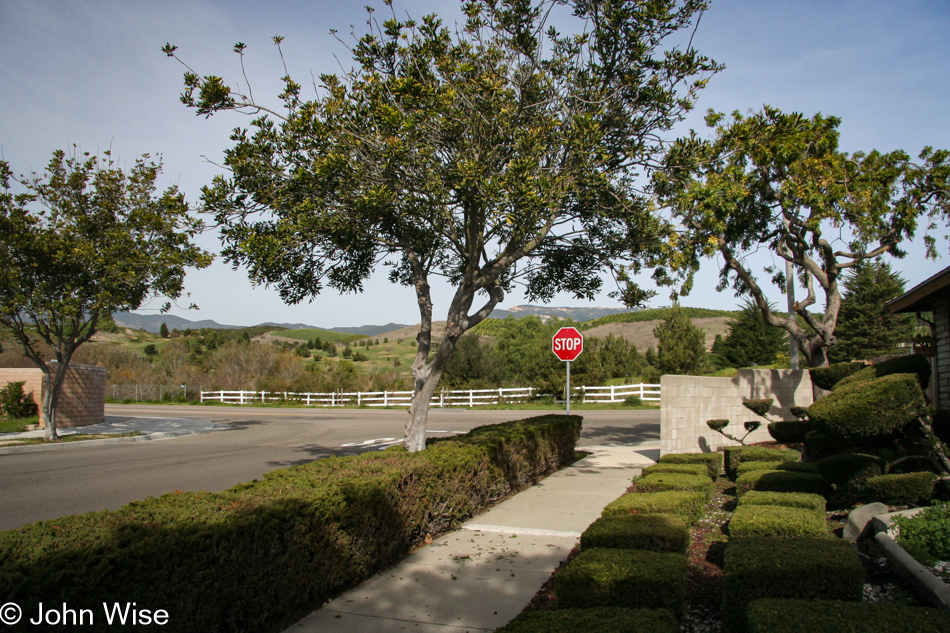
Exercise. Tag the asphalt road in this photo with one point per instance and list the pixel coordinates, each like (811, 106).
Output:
(250, 442)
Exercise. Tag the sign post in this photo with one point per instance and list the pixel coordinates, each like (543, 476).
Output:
(567, 344)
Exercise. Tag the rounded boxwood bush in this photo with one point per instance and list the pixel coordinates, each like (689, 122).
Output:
(776, 521)
(781, 481)
(827, 377)
(911, 364)
(902, 489)
(734, 455)
(655, 532)
(686, 504)
(688, 469)
(790, 431)
(786, 499)
(849, 471)
(658, 482)
(713, 461)
(868, 410)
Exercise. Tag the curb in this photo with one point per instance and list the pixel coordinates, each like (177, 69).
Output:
(39, 448)
(933, 589)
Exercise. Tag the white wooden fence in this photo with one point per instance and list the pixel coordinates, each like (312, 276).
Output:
(459, 398)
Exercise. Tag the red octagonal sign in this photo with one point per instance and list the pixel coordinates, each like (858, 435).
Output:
(567, 344)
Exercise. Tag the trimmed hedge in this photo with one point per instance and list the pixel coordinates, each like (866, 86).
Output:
(821, 445)
(787, 499)
(901, 489)
(736, 454)
(623, 578)
(260, 555)
(685, 504)
(804, 568)
(911, 364)
(600, 619)
(799, 467)
(849, 471)
(748, 467)
(790, 431)
(868, 409)
(659, 482)
(781, 481)
(827, 377)
(655, 532)
(686, 469)
(769, 615)
(713, 461)
(773, 521)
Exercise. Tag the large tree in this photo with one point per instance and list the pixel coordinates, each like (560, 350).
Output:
(750, 340)
(680, 345)
(489, 154)
(778, 182)
(80, 241)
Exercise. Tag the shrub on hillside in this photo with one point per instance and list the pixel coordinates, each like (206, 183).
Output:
(15, 403)
(827, 377)
(713, 461)
(606, 619)
(869, 409)
(901, 489)
(775, 521)
(686, 504)
(768, 615)
(655, 532)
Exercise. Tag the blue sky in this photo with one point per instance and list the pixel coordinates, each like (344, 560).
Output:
(91, 73)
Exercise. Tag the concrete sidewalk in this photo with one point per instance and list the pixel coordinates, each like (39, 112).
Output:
(482, 576)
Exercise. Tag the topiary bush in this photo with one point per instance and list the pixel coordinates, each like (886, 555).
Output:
(713, 461)
(687, 469)
(774, 521)
(605, 619)
(654, 532)
(781, 481)
(912, 364)
(790, 431)
(15, 403)
(758, 406)
(736, 454)
(848, 471)
(902, 489)
(623, 578)
(748, 467)
(821, 445)
(869, 409)
(658, 482)
(787, 499)
(827, 377)
(685, 504)
(768, 615)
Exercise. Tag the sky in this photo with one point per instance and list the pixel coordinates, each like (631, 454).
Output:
(92, 74)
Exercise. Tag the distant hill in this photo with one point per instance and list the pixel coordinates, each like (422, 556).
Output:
(369, 330)
(546, 313)
(153, 322)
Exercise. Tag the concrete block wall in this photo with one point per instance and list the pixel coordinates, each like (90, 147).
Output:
(81, 402)
(688, 401)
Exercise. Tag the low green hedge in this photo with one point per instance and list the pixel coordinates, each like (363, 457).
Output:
(260, 555)
(682, 503)
(803, 568)
(787, 499)
(901, 489)
(866, 410)
(781, 481)
(713, 461)
(774, 521)
(789, 431)
(769, 615)
(736, 454)
(623, 578)
(911, 364)
(849, 471)
(600, 619)
(798, 467)
(827, 377)
(659, 482)
(686, 469)
(748, 467)
(655, 532)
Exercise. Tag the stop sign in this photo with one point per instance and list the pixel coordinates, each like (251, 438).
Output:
(567, 344)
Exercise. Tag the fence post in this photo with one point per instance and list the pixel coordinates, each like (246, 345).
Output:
(385, 398)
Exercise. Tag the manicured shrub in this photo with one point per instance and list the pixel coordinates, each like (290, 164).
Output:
(258, 555)
(787, 499)
(827, 377)
(799, 467)
(821, 445)
(849, 471)
(601, 619)
(736, 454)
(684, 504)
(713, 461)
(928, 531)
(655, 532)
(790, 431)
(658, 482)
(781, 481)
(748, 467)
(902, 489)
(772, 521)
(688, 469)
(869, 409)
(759, 406)
(911, 364)
(803, 568)
(15, 403)
(623, 578)
(769, 615)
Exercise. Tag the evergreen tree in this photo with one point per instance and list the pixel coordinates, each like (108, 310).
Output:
(163, 331)
(750, 340)
(681, 346)
(865, 327)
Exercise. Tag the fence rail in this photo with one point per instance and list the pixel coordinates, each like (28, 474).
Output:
(457, 398)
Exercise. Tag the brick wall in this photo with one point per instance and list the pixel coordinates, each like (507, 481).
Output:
(940, 381)
(82, 400)
(688, 401)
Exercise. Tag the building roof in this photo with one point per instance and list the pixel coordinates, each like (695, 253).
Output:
(920, 298)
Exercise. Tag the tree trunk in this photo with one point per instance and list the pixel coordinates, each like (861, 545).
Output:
(53, 388)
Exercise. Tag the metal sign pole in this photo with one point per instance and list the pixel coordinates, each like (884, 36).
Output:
(568, 387)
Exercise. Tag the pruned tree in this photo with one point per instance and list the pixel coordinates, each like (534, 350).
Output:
(750, 340)
(497, 153)
(681, 346)
(82, 240)
(778, 182)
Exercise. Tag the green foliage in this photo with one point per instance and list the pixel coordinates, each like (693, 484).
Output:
(655, 314)
(163, 330)
(750, 341)
(768, 615)
(713, 461)
(866, 328)
(786, 499)
(849, 471)
(758, 406)
(601, 619)
(688, 505)
(15, 403)
(928, 531)
(790, 431)
(747, 467)
(654, 532)
(623, 578)
(781, 481)
(901, 489)
(681, 346)
(827, 377)
(658, 482)
(821, 445)
(804, 568)
(733, 455)
(263, 552)
(776, 521)
(868, 409)
(910, 364)
(689, 469)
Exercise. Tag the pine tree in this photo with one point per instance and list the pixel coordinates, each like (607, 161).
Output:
(681, 346)
(750, 340)
(163, 331)
(865, 327)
